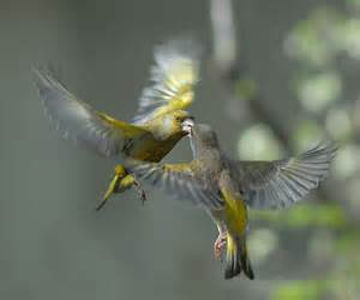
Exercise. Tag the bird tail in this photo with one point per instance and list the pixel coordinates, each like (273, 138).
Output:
(236, 258)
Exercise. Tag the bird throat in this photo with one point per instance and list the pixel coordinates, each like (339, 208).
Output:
(192, 146)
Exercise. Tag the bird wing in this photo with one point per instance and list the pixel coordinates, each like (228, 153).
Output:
(172, 80)
(181, 180)
(278, 184)
(77, 121)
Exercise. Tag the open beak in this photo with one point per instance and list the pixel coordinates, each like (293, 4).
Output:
(187, 126)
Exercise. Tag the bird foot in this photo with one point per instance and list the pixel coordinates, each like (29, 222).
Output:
(220, 244)
(140, 191)
(121, 182)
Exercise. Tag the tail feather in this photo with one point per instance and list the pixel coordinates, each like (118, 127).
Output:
(237, 260)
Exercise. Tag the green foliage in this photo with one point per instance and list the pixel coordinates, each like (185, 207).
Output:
(318, 91)
(299, 290)
(315, 41)
(258, 142)
(319, 215)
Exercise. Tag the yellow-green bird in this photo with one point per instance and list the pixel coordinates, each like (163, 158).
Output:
(226, 187)
(155, 129)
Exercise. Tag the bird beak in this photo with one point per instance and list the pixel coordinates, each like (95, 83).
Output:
(187, 126)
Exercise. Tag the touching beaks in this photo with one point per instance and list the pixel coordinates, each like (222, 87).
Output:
(187, 125)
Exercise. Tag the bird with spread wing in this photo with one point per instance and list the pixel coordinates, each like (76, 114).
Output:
(225, 188)
(152, 133)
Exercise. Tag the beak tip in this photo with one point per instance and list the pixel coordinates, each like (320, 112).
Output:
(187, 125)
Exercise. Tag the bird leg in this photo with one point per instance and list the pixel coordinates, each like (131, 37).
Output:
(120, 183)
(114, 185)
(219, 244)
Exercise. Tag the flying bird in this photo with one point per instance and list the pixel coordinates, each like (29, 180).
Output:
(156, 127)
(225, 188)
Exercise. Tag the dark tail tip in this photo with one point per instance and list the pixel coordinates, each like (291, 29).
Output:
(233, 268)
(238, 263)
(249, 273)
(245, 262)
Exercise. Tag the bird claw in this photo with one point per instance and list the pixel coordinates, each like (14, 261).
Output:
(220, 244)
(140, 191)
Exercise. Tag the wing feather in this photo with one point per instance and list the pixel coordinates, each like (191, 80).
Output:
(172, 80)
(180, 180)
(280, 183)
(77, 121)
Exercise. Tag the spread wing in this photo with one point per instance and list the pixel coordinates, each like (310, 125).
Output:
(277, 184)
(181, 180)
(172, 80)
(77, 121)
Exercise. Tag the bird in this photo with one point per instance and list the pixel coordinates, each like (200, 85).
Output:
(226, 188)
(156, 127)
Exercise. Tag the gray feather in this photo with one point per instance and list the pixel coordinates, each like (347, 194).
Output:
(182, 184)
(74, 119)
(280, 183)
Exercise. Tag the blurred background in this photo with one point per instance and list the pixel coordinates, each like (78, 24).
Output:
(277, 76)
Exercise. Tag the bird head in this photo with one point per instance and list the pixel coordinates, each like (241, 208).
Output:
(204, 135)
(171, 125)
(179, 120)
